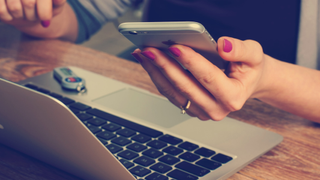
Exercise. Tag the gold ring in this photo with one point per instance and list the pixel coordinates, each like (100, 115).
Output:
(186, 107)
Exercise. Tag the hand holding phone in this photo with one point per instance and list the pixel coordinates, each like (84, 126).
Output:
(162, 35)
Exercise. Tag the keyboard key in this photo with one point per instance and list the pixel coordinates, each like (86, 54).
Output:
(137, 147)
(106, 135)
(180, 175)
(94, 129)
(205, 152)
(188, 146)
(111, 127)
(32, 86)
(105, 142)
(121, 141)
(75, 111)
(55, 95)
(170, 139)
(66, 100)
(126, 163)
(144, 161)
(168, 159)
(172, 150)
(140, 171)
(126, 132)
(161, 168)
(84, 116)
(196, 170)
(114, 148)
(157, 144)
(44, 91)
(208, 164)
(134, 126)
(97, 121)
(80, 106)
(156, 176)
(221, 158)
(128, 154)
(153, 153)
(189, 156)
(141, 138)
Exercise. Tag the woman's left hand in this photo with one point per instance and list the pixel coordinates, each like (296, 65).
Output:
(25, 13)
(213, 93)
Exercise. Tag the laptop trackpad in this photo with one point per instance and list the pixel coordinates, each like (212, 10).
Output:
(143, 106)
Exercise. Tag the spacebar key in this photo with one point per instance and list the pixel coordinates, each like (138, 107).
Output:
(180, 175)
(123, 122)
(196, 170)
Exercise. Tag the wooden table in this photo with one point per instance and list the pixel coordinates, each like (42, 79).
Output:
(21, 57)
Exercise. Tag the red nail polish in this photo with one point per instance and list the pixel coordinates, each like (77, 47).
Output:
(227, 46)
(148, 54)
(45, 24)
(137, 57)
(175, 51)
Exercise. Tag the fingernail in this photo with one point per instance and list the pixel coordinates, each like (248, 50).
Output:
(136, 56)
(227, 46)
(175, 51)
(45, 24)
(148, 54)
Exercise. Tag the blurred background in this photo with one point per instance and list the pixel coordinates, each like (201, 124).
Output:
(109, 40)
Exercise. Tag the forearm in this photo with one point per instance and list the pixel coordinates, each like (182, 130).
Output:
(63, 26)
(292, 88)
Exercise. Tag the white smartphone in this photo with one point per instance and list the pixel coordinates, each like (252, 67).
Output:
(164, 34)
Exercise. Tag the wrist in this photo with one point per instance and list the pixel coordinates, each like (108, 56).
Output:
(266, 85)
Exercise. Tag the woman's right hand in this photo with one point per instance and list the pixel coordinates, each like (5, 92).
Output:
(29, 12)
(213, 93)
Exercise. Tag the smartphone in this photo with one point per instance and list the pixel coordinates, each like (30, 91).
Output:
(161, 35)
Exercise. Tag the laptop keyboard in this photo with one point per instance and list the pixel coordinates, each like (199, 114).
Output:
(147, 153)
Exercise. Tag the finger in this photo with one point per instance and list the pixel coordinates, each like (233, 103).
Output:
(246, 61)
(4, 14)
(165, 87)
(44, 9)
(207, 74)
(246, 64)
(15, 8)
(29, 7)
(186, 84)
(249, 52)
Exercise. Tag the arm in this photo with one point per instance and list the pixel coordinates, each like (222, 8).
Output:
(74, 21)
(43, 18)
(251, 74)
(295, 89)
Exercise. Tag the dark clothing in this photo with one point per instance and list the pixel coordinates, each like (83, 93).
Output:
(273, 23)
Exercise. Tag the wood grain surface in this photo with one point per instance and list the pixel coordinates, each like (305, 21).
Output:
(21, 57)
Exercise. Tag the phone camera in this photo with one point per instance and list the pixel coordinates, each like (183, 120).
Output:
(133, 32)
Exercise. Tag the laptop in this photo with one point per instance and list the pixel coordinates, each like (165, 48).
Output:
(118, 131)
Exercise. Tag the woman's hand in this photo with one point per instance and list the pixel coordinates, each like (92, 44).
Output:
(29, 12)
(212, 92)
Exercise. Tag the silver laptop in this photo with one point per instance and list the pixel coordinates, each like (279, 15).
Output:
(117, 131)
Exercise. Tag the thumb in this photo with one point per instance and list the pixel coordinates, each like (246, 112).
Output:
(234, 50)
